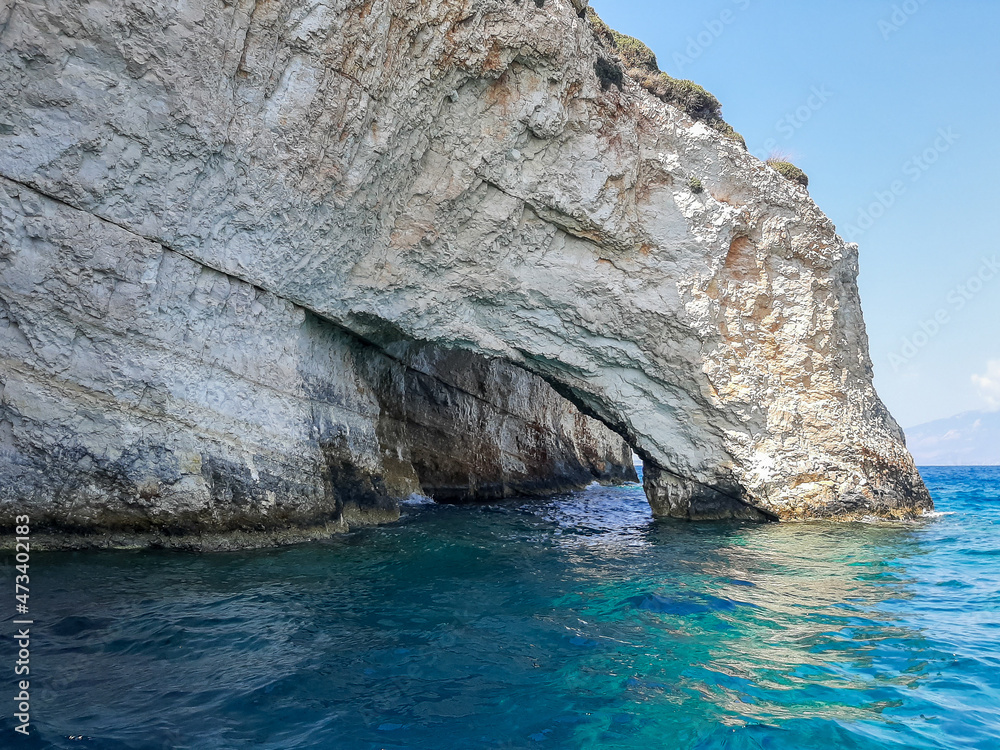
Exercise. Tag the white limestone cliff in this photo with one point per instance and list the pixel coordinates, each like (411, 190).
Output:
(147, 399)
(455, 172)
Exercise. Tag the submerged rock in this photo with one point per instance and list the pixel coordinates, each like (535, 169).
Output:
(230, 230)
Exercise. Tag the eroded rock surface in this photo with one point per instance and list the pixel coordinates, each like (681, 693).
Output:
(147, 399)
(456, 172)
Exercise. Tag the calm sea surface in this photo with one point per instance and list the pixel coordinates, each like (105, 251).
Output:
(570, 622)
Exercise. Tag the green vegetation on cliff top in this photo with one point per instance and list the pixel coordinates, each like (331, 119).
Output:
(790, 171)
(640, 64)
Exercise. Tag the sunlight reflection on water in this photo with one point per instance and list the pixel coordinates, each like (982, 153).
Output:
(567, 622)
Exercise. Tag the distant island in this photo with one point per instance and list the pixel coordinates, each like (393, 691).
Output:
(969, 439)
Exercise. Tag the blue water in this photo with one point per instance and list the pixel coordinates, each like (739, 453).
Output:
(571, 622)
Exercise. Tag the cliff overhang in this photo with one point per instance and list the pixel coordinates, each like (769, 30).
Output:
(457, 174)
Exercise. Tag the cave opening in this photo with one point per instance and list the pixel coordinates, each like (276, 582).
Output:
(459, 427)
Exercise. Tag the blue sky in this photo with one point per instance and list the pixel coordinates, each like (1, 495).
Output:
(892, 109)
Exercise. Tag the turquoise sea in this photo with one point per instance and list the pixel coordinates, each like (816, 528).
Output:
(567, 622)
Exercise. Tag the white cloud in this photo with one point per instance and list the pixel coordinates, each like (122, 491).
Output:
(989, 384)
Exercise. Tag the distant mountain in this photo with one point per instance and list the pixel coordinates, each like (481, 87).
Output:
(970, 439)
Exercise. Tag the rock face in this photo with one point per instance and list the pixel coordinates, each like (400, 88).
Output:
(150, 399)
(453, 172)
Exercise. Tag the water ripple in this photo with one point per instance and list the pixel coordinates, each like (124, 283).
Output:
(570, 622)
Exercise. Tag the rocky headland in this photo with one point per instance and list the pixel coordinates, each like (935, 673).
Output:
(268, 267)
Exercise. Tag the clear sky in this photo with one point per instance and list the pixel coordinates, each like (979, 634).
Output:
(893, 110)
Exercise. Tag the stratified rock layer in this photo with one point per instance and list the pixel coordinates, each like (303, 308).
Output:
(457, 173)
(147, 399)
